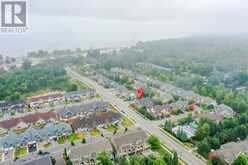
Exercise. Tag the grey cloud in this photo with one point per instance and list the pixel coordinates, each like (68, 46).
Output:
(103, 23)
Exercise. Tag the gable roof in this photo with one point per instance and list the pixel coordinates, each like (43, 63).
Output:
(93, 120)
(229, 150)
(11, 104)
(86, 149)
(28, 119)
(73, 110)
(83, 92)
(32, 134)
(38, 161)
(46, 97)
(130, 137)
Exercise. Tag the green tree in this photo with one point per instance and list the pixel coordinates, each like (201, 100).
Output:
(72, 87)
(123, 161)
(203, 147)
(217, 161)
(154, 142)
(175, 158)
(241, 159)
(83, 140)
(53, 160)
(68, 162)
(103, 159)
(136, 160)
(167, 157)
(168, 125)
(158, 162)
(181, 135)
(215, 143)
(203, 131)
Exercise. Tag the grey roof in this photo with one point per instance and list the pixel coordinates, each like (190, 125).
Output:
(31, 134)
(147, 102)
(179, 104)
(94, 120)
(39, 161)
(229, 150)
(225, 110)
(79, 93)
(73, 110)
(131, 137)
(86, 149)
(5, 105)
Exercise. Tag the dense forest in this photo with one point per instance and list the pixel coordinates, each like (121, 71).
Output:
(199, 54)
(214, 67)
(20, 83)
(210, 135)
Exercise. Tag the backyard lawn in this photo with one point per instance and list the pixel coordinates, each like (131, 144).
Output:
(75, 136)
(112, 127)
(95, 132)
(80, 84)
(113, 109)
(79, 136)
(61, 140)
(21, 151)
(72, 137)
(47, 145)
(126, 122)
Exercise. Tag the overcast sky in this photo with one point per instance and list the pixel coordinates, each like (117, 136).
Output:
(59, 24)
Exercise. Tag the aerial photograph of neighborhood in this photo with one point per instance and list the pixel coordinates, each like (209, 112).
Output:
(134, 82)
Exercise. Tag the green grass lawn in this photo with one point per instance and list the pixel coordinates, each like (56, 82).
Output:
(80, 136)
(61, 140)
(112, 127)
(98, 96)
(80, 85)
(95, 132)
(1, 157)
(48, 145)
(21, 151)
(72, 137)
(126, 122)
(75, 136)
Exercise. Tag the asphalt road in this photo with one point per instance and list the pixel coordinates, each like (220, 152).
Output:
(186, 155)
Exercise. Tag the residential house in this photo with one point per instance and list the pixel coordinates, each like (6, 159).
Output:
(12, 106)
(121, 91)
(208, 101)
(225, 110)
(45, 100)
(230, 150)
(46, 160)
(160, 111)
(144, 102)
(241, 89)
(220, 113)
(3, 132)
(25, 121)
(87, 153)
(30, 160)
(95, 120)
(82, 109)
(78, 95)
(183, 105)
(189, 129)
(49, 131)
(131, 142)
